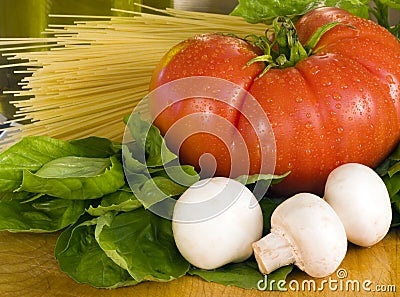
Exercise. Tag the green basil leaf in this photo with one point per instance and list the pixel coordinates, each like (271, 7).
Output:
(21, 197)
(394, 169)
(383, 168)
(268, 206)
(32, 152)
(395, 156)
(154, 184)
(76, 178)
(121, 200)
(152, 171)
(157, 189)
(142, 243)
(392, 184)
(11, 177)
(390, 3)
(251, 179)
(395, 217)
(80, 256)
(132, 165)
(74, 167)
(43, 214)
(149, 142)
(184, 175)
(244, 275)
(389, 170)
(96, 147)
(264, 11)
(259, 183)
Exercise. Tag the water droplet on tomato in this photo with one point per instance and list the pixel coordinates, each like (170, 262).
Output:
(308, 125)
(308, 152)
(269, 100)
(299, 99)
(314, 70)
(338, 106)
(308, 115)
(337, 97)
(390, 79)
(340, 130)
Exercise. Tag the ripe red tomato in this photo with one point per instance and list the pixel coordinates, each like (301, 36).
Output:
(339, 105)
(205, 55)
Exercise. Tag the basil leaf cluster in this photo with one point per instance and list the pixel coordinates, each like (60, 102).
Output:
(109, 238)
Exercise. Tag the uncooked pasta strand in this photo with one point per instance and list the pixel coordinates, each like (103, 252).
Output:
(82, 79)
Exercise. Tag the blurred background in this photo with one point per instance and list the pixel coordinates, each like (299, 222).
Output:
(28, 18)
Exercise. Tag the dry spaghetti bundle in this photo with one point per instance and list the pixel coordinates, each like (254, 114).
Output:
(88, 75)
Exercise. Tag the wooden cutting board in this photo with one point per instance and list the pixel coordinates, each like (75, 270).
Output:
(28, 268)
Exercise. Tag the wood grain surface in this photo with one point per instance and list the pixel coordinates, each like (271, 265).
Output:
(28, 268)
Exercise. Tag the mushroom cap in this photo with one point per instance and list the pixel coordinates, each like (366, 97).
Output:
(360, 198)
(215, 222)
(314, 231)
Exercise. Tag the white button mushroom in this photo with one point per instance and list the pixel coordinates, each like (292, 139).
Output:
(360, 198)
(305, 231)
(215, 222)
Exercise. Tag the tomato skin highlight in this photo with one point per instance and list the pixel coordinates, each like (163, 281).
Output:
(205, 55)
(340, 105)
(209, 55)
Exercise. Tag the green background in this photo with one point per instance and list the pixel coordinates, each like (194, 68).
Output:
(29, 18)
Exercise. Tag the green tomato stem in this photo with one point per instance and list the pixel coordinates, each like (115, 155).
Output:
(285, 49)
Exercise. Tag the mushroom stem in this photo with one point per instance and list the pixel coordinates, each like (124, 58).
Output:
(305, 231)
(272, 252)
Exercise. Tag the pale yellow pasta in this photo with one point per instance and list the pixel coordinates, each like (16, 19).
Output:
(89, 75)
